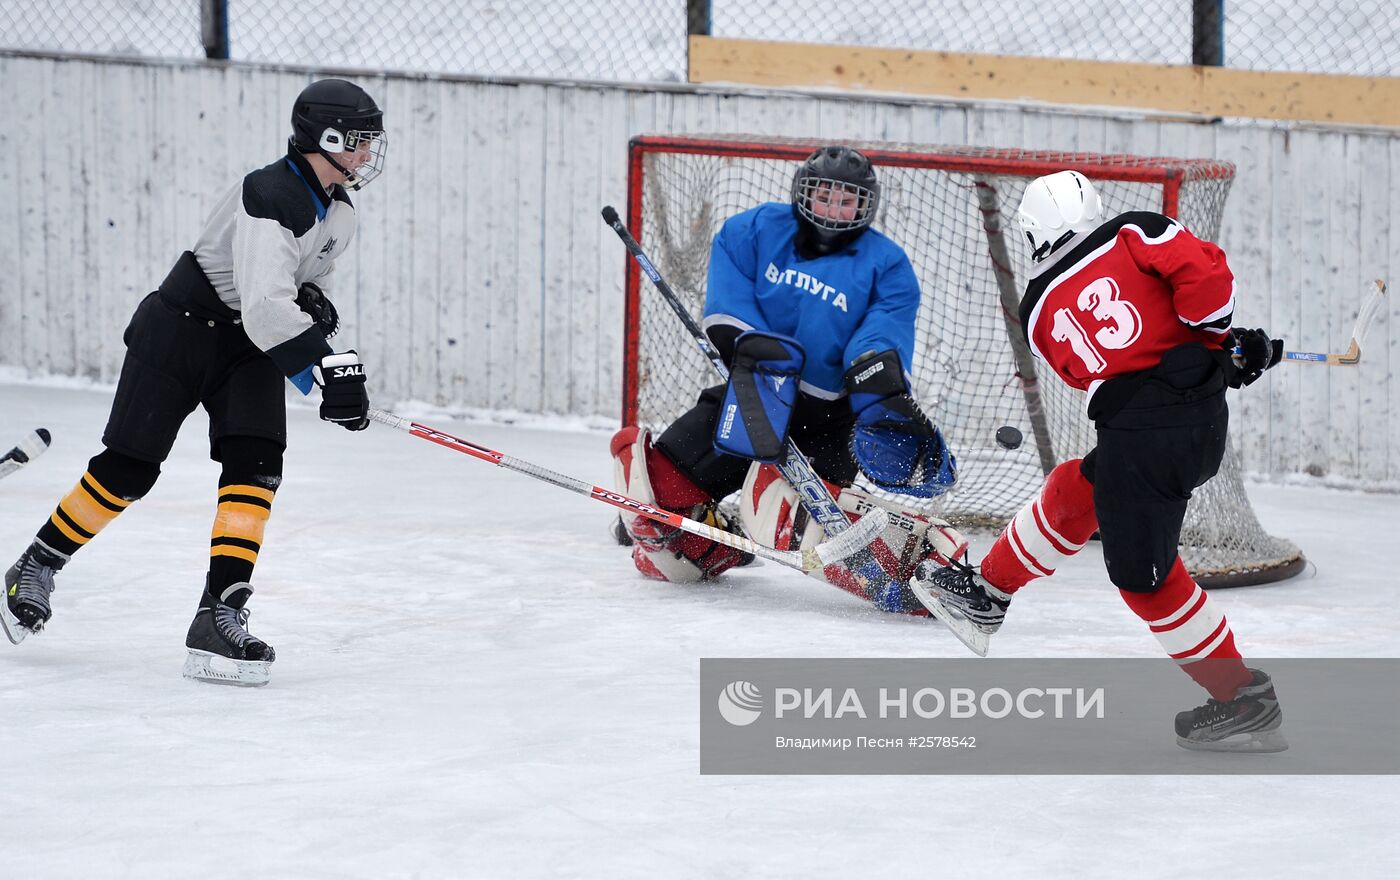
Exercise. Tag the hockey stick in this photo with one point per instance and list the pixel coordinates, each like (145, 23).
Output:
(834, 550)
(1352, 356)
(812, 493)
(31, 447)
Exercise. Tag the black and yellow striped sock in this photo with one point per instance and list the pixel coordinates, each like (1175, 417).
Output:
(112, 482)
(237, 537)
(83, 512)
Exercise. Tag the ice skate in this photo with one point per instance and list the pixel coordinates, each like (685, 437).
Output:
(28, 584)
(1248, 723)
(618, 530)
(969, 606)
(221, 650)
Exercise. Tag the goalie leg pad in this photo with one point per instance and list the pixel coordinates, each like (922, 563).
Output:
(1054, 526)
(660, 551)
(772, 515)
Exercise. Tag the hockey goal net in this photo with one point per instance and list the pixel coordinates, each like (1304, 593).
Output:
(953, 211)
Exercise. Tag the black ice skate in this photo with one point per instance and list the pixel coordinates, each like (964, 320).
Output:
(28, 584)
(222, 651)
(1248, 723)
(972, 608)
(619, 532)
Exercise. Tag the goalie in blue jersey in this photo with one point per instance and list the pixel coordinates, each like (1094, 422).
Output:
(813, 310)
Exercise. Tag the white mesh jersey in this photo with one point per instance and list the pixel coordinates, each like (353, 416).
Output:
(272, 232)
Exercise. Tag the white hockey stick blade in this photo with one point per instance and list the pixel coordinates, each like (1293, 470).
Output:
(1365, 317)
(31, 447)
(965, 630)
(802, 560)
(1352, 356)
(849, 542)
(860, 535)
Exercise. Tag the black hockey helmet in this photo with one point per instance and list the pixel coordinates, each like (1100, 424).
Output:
(331, 117)
(830, 175)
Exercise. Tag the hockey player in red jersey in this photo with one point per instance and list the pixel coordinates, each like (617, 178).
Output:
(1136, 311)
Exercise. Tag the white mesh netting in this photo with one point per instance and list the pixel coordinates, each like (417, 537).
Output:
(952, 209)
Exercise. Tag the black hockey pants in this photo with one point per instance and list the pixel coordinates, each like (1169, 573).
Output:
(1168, 438)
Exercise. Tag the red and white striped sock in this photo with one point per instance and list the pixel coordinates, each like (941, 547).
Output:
(1053, 527)
(1193, 631)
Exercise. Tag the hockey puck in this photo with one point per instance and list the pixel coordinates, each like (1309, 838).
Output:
(1008, 437)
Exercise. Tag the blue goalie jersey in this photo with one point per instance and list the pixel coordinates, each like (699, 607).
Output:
(839, 306)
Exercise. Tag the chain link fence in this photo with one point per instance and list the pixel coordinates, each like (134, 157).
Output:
(625, 40)
(152, 28)
(645, 40)
(1356, 37)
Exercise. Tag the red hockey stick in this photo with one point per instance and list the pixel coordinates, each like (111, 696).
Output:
(857, 537)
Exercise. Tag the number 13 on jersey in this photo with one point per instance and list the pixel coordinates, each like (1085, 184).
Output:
(1120, 321)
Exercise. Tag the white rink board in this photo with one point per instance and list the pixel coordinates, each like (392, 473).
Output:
(484, 278)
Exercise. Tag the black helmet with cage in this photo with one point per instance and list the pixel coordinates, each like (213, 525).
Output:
(834, 172)
(333, 117)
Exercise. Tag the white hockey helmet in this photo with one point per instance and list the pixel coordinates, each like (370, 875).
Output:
(1056, 208)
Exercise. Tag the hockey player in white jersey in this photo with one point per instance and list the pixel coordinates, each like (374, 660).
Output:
(240, 314)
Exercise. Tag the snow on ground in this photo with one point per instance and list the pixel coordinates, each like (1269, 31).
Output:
(471, 682)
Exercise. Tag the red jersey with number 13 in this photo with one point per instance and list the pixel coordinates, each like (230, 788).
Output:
(1132, 289)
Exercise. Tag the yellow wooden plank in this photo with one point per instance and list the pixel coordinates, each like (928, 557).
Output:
(1209, 91)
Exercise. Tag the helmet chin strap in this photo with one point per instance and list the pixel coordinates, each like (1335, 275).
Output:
(332, 138)
(344, 172)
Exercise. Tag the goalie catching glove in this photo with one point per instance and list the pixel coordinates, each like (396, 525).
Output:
(343, 396)
(894, 443)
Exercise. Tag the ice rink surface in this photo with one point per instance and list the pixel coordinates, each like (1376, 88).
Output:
(473, 682)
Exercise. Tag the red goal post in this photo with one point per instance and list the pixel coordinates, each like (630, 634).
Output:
(952, 209)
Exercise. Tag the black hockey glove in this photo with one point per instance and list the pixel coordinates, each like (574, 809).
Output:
(343, 398)
(1253, 353)
(314, 302)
